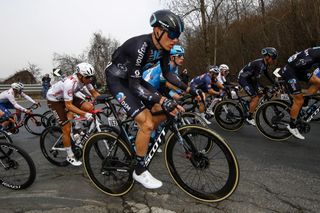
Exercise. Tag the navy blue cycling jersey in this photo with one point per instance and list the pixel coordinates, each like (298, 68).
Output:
(304, 60)
(202, 82)
(136, 55)
(254, 69)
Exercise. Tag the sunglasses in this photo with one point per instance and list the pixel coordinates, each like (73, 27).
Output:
(180, 56)
(173, 35)
(88, 77)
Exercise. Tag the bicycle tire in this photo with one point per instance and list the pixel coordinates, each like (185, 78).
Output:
(116, 167)
(11, 174)
(229, 115)
(35, 123)
(48, 138)
(5, 138)
(224, 164)
(271, 119)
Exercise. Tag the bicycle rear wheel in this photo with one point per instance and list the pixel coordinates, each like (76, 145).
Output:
(112, 173)
(271, 120)
(52, 147)
(210, 176)
(229, 115)
(35, 123)
(17, 170)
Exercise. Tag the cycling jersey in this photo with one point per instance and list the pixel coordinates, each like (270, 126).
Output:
(298, 68)
(155, 77)
(249, 76)
(222, 79)
(124, 74)
(64, 90)
(202, 82)
(254, 70)
(7, 100)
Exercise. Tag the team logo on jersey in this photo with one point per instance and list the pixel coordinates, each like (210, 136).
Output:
(120, 97)
(293, 83)
(70, 92)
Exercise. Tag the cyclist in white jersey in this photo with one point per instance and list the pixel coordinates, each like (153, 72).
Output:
(63, 102)
(8, 101)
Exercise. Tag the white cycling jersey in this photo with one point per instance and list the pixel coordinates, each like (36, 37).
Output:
(8, 96)
(221, 78)
(65, 89)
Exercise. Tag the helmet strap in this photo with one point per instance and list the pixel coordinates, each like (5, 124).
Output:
(159, 38)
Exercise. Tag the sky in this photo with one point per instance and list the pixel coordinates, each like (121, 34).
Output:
(32, 30)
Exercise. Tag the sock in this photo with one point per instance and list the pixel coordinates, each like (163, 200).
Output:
(250, 116)
(140, 167)
(69, 151)
(293, 123)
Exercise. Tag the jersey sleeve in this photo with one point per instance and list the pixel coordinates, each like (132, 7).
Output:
(27, 97)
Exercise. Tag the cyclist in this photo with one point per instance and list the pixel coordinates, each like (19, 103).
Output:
(205, 83)
(138, 97)
(249, 77)
(63, 103)
(155, 78)
(296, 70)
(224, 71)
(8, 101)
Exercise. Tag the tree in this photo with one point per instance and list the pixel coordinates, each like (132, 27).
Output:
(67, 63)
(99, 54)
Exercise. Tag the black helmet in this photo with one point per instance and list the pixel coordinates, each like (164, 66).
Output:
(270, 51)
(169, 21)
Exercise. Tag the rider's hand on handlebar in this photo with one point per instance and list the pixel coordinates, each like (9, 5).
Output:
(88, 116)
(28, 111)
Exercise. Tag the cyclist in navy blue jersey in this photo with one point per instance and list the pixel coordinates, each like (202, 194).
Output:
(138, 97)
(249, 77)
(299, 69)
(205, 82)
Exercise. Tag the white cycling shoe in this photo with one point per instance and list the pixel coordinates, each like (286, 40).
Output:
(147, 180)
(251, 121)
(295, 132)
(73, 161)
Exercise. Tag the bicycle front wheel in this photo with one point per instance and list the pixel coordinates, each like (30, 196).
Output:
(108, 163)
(17, 170)
(207, 175)
(35, 123)
(272, 118)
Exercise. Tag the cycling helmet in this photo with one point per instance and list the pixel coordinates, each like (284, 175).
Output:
(214, 69)
(17, 86)
(177, 50)
(224, 67)
(85, 69)
(270, 51)
(169, 21)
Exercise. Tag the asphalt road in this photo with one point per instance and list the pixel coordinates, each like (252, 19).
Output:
(274, 177)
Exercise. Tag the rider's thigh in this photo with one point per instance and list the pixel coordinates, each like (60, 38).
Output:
(315, 81)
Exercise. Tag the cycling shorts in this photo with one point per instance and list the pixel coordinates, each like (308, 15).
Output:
(119, 88)
(292, 77)
(60, 111)
(249, 86)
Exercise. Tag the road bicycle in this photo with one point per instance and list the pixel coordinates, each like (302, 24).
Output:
(200, 161)
(17, 169)
(51, 139)
(34, 123)
(273, 117)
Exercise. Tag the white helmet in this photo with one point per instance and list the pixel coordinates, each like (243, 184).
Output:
(224, 67)
(85, 69)
(17, 86)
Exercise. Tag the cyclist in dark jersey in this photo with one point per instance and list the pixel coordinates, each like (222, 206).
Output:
(249, 77)
(138, 97)
(209, 84)
(298, 69)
